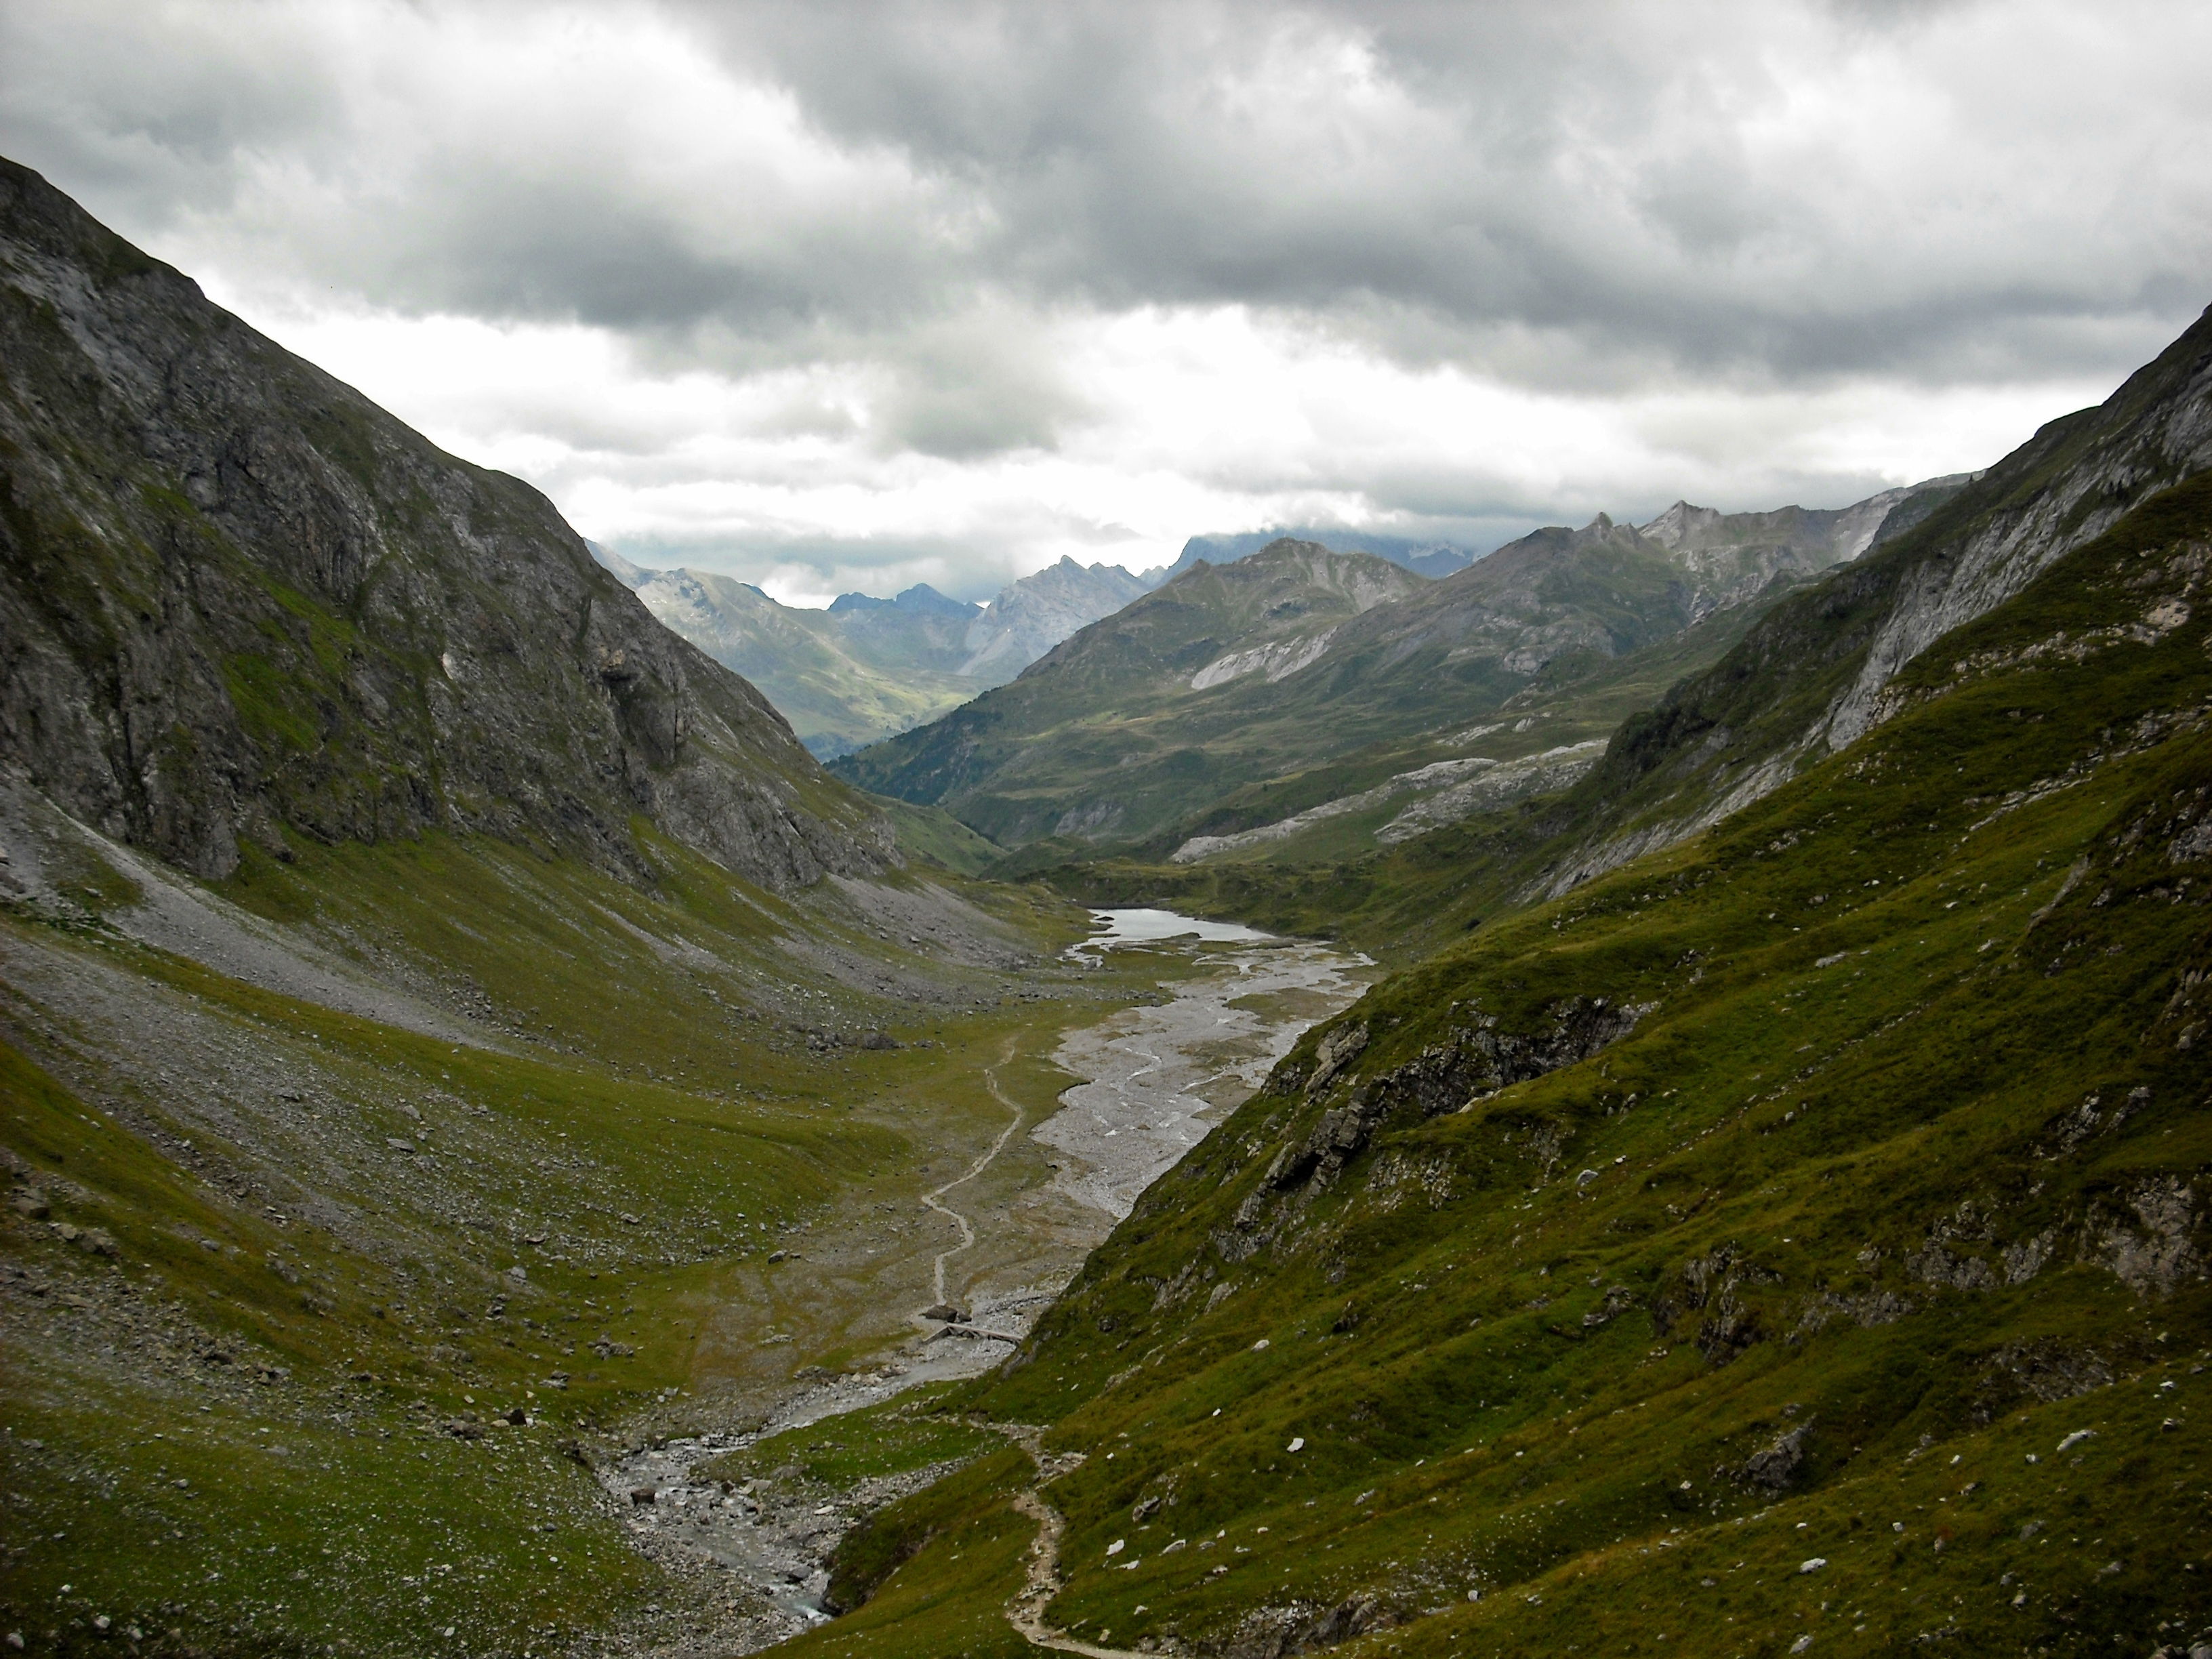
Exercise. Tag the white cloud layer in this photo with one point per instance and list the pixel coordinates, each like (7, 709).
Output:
(836, 295)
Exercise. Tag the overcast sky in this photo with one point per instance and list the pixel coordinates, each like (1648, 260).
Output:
(833, 296)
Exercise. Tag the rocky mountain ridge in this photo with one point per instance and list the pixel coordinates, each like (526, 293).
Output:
(1432, 559)
(1812, 678)
(1030, 616)
(238, 603)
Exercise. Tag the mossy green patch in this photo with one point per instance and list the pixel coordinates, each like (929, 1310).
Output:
(932, 833)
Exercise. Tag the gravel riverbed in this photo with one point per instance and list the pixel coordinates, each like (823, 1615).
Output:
(1156, 1078)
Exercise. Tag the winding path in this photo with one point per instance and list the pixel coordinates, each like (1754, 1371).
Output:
(1026, 1612)
(929, 1200)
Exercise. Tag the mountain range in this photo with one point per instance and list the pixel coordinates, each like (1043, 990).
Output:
(865, 668)
(1297, 679)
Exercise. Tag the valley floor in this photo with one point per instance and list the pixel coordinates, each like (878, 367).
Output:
(381, 1222)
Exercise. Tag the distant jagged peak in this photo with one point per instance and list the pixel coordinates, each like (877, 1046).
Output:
(1366, 579)
(920, 599)
(924, 597)
(1678, 523)
(1836, 534)
(1068, 572)
(1066, 582)
(1034, 613)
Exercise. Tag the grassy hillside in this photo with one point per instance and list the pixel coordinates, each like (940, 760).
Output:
(1792, 1240)
(1402, 898)
(933, 834)
(1117, 701)
(551, 1055)
(276, 1272)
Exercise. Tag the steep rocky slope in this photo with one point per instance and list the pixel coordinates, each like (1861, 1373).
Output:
(1736, 554)
(1034, 614)
(239, 601)
(1812, 676)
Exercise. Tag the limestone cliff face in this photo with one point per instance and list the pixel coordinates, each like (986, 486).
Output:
(237, 598)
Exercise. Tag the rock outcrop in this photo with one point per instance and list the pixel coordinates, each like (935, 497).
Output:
(1813, 675)
(240, 604)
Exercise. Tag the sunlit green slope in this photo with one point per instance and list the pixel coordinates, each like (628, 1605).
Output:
(1791, 1241)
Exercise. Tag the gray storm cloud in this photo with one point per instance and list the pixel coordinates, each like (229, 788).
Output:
(1598, 201)
(1624, 173)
